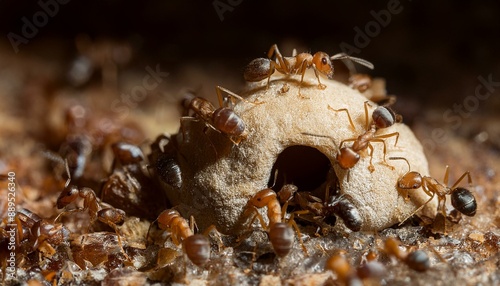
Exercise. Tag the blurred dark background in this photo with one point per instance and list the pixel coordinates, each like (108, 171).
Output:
(431, 52)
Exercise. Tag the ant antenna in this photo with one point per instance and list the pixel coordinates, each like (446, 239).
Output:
(401, 158)
(322, 136)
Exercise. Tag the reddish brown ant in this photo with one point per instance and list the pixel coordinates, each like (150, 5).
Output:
(461, 199)
(349, 275)
(382, 117)
(39, 233)
(262, 68)
(222, 119)
(280, 233)
(196, 246)
(109, 215)
(417, 260)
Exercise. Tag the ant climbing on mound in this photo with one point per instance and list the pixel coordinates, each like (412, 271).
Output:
(382, 117)
(223, 119)
(321, 63)
(461, 198)
(195, 246)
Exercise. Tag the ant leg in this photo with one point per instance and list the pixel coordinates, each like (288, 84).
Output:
(219, 89)
(446, 173)
(376, 139)
(346, 140)
(348, 115)
(371, 167)
(384, 136)
(292, 222)
(461, 178)
(302, 70)
(429, 193)
(276, 52)
(366, 104)
(118, 236)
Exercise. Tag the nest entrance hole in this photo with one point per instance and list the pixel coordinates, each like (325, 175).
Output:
(303, 166)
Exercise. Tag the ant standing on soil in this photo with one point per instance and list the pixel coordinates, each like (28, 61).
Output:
(262, 68)
(195, 246)
(417, 260)
(280, 233)
(461, 198)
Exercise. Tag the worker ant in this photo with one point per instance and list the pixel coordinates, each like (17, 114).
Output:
(382, 117)
(333, 206)
(349, 275)
(195, 246)
(280, 233)
(36, 233)
(417, 260)
(461, 198)
(108, 215)
(262, 68)
(223, 119)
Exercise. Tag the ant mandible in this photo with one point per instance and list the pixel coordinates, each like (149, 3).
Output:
(223, 119)
(461, 198)
(262, 68)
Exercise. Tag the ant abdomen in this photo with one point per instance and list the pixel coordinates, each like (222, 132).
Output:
(383, 117)
(347, 158)
(464, 201)
(418, 260)
(228, 122)
(197, 248)
(281, 236)
(258, 69)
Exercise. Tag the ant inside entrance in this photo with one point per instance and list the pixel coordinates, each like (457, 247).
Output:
(303, 166)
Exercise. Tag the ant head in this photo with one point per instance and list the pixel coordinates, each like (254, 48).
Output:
(383, 117)
(262, 198)
(347, 158)
(463, 201)
(67, 196)
(323, 64)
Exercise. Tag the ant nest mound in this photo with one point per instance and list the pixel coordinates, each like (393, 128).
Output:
(216, 178)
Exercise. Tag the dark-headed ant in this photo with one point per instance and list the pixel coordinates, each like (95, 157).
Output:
(262, 68)
(196, 246)
(222, 119)
(417, 260)
(461, 198)
(382, 117)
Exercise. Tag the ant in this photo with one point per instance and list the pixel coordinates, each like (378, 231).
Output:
(348, 275)
(417, 260)
(109, 215)
(38, 233)
(196, 246)
(262, 68)
(461, 198)
(333, 206)
(163, 157)
(382, 117)
(281, 234)
(223, 119)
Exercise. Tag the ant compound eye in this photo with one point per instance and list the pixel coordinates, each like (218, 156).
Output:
(324, 61)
